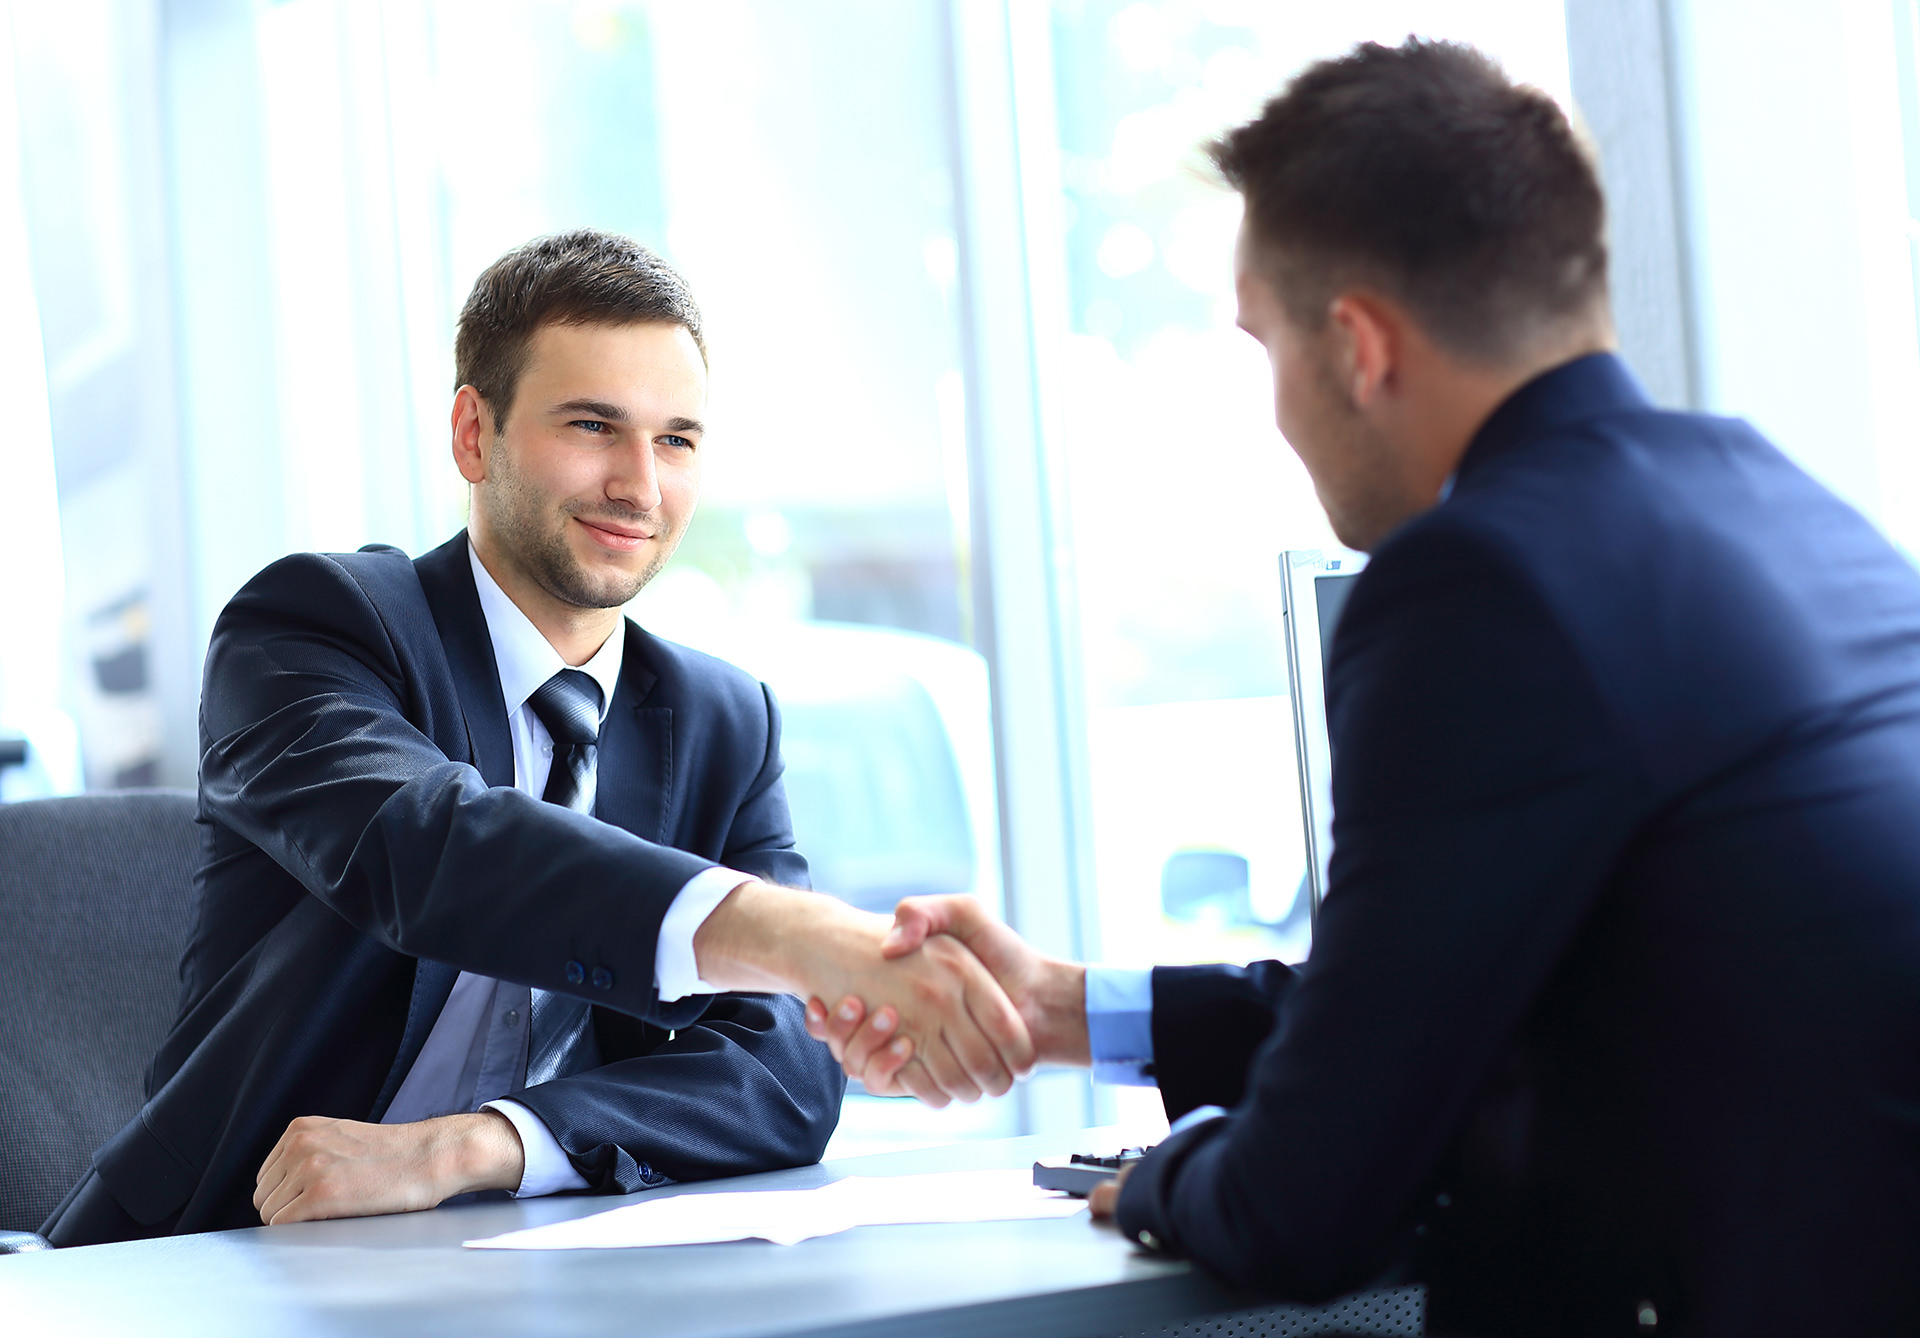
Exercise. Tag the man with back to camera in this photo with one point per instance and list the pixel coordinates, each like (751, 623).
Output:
(1611, 1022)
(480, 856)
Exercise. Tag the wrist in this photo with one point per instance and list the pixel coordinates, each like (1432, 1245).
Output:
(1058, 1020)
(480, 1151)
(780, 940)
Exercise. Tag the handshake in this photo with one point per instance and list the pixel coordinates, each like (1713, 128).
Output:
(944, 1002)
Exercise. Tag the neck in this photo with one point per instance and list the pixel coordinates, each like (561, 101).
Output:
(1462, 399)
(576, 634)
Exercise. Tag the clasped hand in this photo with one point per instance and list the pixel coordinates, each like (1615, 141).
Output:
(888, 1051)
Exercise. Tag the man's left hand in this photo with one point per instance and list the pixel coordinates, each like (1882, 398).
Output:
(346, 1168)
(1105, 1199)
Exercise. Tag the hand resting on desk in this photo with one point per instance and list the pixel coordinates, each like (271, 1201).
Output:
(1105, 1199)
(345, 1168)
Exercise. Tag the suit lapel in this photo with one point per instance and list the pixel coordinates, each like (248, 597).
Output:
(447, 578)
(634, 789)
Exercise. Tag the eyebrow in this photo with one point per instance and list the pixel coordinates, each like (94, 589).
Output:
(615, 413)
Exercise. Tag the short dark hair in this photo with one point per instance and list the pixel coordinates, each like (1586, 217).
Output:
(583, 277)
(1424, 171)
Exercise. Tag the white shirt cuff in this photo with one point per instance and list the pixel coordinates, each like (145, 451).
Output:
(1120, 1025)
(547, 1169)
(675, 973)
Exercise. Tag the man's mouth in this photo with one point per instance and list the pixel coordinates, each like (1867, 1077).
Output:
(620, 538)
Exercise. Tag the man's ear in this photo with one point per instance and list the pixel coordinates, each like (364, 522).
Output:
(472, 433)
(1367, 335)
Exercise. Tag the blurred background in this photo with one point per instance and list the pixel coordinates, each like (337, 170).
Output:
(994, 498)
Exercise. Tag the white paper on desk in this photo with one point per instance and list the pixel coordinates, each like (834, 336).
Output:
(790, 1215)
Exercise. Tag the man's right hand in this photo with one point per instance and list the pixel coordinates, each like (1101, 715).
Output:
(1050, 994)
(955, 1035)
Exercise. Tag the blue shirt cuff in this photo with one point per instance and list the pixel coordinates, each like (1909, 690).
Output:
(1198, 1115)
(1120, 1024)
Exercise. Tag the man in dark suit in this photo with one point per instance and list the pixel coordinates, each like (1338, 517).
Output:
(486, 866)
(1611, 1022)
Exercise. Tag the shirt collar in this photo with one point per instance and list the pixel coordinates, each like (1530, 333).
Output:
(523, 657)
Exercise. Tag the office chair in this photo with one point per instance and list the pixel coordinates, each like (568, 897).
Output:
(95, 894)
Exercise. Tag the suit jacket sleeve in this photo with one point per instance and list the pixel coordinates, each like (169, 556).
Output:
(742, 1089)
(1208, 1023)
(314, 714)
(1481, 796)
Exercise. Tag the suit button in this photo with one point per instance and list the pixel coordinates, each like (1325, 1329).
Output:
(576, 973)
(1148, 1240)
(602, 978)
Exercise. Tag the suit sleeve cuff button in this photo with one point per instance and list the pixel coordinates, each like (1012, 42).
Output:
(576, 973)
(602, 978)
(1148, 1241)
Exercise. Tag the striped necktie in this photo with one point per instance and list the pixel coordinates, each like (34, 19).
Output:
(568, 704)
(560, 1039)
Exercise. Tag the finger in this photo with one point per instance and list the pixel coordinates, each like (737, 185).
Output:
(845, 1019)
(273, 1209)
(935, 1058)
(991, 1039)
(956, 1077)
(913, 921)
(1104, 1199)
(967, 1062)
(832, 1028)
(305, 1207)
(977, 1059)
(875, 1035)
(269, 1180)
(881, 1073)
(921, 1084)
(272, 1171)
(999, 1022)
(917, 919)
(274, 1157)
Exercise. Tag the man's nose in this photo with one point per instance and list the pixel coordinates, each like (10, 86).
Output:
(636, 483)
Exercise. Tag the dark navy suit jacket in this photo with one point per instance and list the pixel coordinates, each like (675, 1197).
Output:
(363, 844)
(1614, 1001)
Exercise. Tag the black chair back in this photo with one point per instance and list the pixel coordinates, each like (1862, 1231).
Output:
(95, 898)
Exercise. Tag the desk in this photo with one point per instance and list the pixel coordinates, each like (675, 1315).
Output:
(407, 1275)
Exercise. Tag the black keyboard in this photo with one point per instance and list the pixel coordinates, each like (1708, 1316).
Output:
(1080, 1173)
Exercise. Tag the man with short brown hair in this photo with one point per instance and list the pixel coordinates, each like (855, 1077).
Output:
(491, 876)
(1611, 1023)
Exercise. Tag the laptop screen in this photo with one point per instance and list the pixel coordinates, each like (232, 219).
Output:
(1315, 586)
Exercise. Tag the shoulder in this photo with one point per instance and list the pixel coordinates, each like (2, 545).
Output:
(378, 573)
(1582, 523)
(688, 679)
(367, 605)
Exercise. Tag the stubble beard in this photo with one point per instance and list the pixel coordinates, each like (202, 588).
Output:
(1362, 503)
(517, 517)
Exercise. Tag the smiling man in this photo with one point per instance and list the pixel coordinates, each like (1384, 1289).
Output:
(483, 860)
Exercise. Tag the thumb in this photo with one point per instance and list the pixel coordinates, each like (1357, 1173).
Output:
(914, 919)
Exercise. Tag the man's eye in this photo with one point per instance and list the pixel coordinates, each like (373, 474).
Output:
(590, 425)
(672, 440)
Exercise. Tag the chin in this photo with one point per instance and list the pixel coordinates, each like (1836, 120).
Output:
(1357, 535)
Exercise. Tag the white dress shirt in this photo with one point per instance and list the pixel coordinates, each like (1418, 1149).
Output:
(477, 1050)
